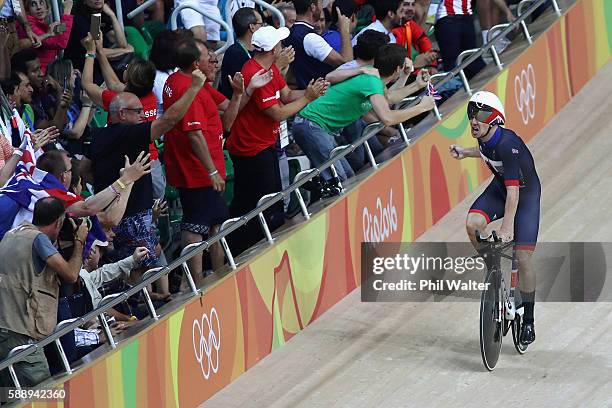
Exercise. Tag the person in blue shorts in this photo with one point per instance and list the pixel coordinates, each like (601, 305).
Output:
(513, 194)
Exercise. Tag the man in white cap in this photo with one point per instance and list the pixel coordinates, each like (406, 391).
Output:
(252, 141)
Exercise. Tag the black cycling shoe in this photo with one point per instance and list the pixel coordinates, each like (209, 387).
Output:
(331, 188)
(527, 333)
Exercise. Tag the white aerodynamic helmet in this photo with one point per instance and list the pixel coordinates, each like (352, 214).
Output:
(486, 108)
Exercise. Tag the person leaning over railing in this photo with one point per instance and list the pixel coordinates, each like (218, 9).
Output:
(29, 273)
(346, 102)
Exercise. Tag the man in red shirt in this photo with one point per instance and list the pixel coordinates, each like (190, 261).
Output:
(411, 36)
(252, 141)
(194, 158)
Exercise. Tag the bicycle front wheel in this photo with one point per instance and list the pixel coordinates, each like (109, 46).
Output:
(491, 322)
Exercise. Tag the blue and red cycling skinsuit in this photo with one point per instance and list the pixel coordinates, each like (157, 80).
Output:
(512, 164)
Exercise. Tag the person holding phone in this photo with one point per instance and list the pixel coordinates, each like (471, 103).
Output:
(114, 43)
(62, 78)
(53, 35)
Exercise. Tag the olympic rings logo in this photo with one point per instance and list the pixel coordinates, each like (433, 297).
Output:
(525, 93)
(207, 342)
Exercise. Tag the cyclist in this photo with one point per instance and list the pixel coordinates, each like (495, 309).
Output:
(514, 192)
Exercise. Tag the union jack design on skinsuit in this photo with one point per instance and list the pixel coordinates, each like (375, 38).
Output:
(28, 185)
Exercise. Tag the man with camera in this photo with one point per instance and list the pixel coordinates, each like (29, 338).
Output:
(29, 277)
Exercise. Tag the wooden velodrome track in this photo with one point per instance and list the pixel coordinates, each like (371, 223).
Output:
(427, 354)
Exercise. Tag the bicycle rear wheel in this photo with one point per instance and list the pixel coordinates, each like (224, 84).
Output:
(491, 330)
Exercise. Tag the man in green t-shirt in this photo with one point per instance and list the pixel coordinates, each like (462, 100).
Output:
(314, 127)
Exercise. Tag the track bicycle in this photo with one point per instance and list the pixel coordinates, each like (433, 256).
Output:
(498, 311)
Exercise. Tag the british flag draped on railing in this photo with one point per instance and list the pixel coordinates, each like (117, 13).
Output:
(431, 91)
(28, 185)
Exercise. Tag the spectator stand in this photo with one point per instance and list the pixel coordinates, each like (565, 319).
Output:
(231, 225)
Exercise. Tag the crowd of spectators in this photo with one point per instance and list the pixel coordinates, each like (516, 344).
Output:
(125, 139)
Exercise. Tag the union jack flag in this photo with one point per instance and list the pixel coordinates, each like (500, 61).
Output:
(28, 185)
(431, 91)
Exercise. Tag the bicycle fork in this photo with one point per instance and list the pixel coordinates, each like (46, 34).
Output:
(510, 308)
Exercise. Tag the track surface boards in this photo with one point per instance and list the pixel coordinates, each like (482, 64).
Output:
(427, 354)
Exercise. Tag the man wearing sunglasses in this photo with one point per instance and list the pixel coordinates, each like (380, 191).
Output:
(513, 194)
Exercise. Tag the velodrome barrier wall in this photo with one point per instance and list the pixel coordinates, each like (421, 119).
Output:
(194, 352)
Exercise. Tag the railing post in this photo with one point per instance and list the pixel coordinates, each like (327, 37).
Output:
(16, 350)
(466, 84)
(298, 193)
(526, 32)
(60, 348)
(556, 7)
(54, 10)
(493, 37)
(147, 296)
(262, 219)
(190, 281)
(109, 335)
(404, 133)
(460, 58)
(226, 248)
(370, 155)
(496, 58)
(141, 8)
(186, 269)
(332, 167)
(107, 330)
(119, 11)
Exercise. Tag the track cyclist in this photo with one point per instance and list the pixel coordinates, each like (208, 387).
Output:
(514, 192)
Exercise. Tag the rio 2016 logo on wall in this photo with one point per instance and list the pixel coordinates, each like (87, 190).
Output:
(206, 335)
(525, 93)
(381, 222)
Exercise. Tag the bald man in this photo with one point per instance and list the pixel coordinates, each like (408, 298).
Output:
(129, 134)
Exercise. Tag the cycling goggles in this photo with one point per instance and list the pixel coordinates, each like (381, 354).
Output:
(482, 113)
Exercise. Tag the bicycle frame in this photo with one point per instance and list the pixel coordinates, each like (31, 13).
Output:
(495, 248)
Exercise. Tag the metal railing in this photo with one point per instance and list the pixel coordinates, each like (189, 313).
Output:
(262, 3)
(195, 7)
(141, 8)
(229, 226)
(469, 56)
(119, 12)
(55, 13)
